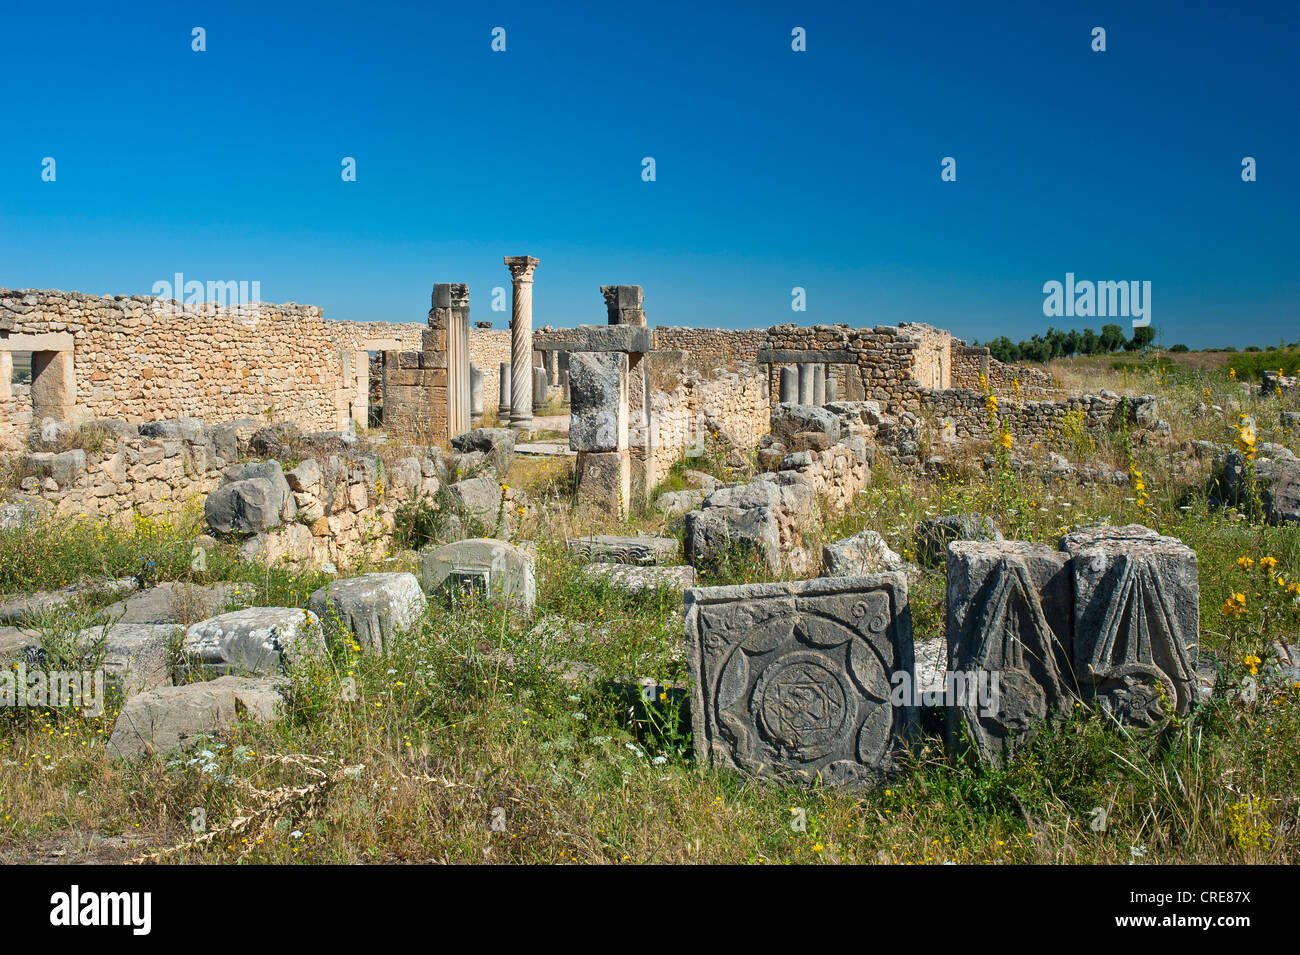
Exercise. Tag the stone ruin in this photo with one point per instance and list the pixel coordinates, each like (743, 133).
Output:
(818, 679)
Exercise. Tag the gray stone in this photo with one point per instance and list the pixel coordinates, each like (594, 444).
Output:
(1136, 622)
(632, 339)
(479, 500)
(44, 601)
(678, 503)
(177, 602)
(21, 512)
(374, 608)
(608, 548)
(185, 429)
(491, 568)
(498, 444)
(636, 579)
(1278, 480)
(274, 440)
(795, 680)
(169, 717)
(66, 467)
(791, 420)
(255, 498)
(137, 657)
(260, 640)
(306, 477)
(933, 536)
(1009, 620)
(865, 553)
(475, 392)
(598, 401)
(701, 480)
(747, 518)
(605, 482)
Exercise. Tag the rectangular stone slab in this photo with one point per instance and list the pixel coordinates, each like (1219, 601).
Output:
(1136, 621)
(795, 680)
(1009, 619)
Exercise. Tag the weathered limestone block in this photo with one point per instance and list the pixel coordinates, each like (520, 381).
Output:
(598, 401)
(1278, 478)
(66, 467)
(637, 578)
(168, 718)
(791, 420)
(761, 518)
(605, 481)
(488, 567)
(679, 503)
(255, 498)
(1136, 622)
(1009, 621)
(608, 548)
(865, 553)
(373, 608)
(173, 602)
(186, 429)
(137, 657)
(480, 499)
(933, 536)
(795, 679)
(260, 640)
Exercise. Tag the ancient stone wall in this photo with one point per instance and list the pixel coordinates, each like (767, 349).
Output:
(488, 348)
(873, 364)
(140, 358)
(710, 348)
(963, 414)
(734, 405)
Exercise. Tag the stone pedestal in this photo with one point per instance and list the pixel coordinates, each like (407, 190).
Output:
(521, 268)
(605, 481)
(624, 304)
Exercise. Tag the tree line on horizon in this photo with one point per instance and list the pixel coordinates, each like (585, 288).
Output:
(1056, 343)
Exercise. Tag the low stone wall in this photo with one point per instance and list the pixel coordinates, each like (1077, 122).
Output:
(962, 414)
(836, 474)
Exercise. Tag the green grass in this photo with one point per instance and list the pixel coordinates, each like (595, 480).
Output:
(469, 721)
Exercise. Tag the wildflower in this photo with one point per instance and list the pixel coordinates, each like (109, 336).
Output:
(1252, 663)
(1267, 563)
(1235, 605)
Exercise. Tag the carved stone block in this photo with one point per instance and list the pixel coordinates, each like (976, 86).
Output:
(1009, 619)
(1136, 622)
(794, 679)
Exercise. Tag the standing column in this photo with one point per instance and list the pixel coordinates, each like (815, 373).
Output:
(819, 385)
(789, 385)
(805, 383)
(503, 395)
(475, 394)
(521, 341)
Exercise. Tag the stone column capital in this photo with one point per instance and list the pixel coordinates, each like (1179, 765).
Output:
(521, 268)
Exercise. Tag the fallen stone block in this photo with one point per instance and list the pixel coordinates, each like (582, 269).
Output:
(635, 579)
(480, 501)
(795, 680)
(168, 718)
(374, 608)
(865, 553)
(497, 444)
(608, 548)
(483, 566)
(264, 641)
(1009, 622)
(255, 498)
(933, 536)
(1136, 622)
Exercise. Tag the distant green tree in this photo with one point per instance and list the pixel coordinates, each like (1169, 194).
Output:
(1112, 338)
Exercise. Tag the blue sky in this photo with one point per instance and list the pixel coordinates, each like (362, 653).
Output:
(775, 169)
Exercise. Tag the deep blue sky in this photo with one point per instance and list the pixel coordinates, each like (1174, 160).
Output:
(775, 169)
